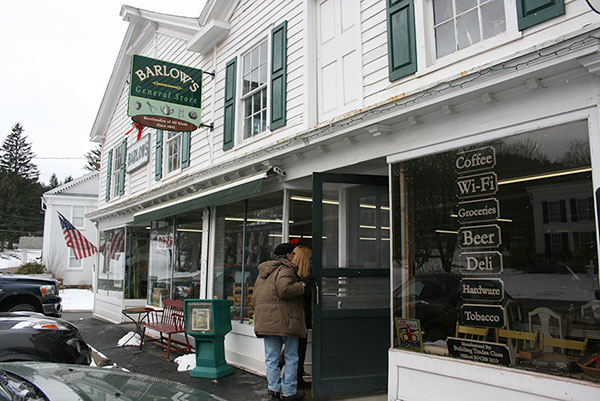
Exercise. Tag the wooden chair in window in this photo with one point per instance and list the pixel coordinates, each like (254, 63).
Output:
(471, 333)
(518, 341)
(573, 348)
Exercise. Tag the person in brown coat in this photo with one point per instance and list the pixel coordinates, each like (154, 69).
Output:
(279, 320)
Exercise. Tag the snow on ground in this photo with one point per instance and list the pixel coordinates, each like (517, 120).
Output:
(12, 258)
(185, 362)
(76, 300)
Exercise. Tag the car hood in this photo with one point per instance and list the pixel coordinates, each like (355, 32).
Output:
(74, 382)
(14, 320)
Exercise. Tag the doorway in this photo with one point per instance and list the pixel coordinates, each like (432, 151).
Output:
(351, 303)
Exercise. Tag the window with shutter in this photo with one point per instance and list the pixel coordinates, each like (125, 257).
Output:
(229, 108)
(158, 155)
(122, 168)
(278, 76)
(402, 53)
(254, 90)
(108, 175)
(533, 12)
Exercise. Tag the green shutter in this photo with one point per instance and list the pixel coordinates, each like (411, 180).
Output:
(229, 109)
(123, 163)
(186, 138)
(533, 12)
(402, 49)
(278, 76)
(158, 155)
(108, 172)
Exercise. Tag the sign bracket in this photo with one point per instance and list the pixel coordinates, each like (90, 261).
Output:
(212, 74)
(210, 126)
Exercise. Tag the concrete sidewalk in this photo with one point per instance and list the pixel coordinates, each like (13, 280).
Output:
(103, 337)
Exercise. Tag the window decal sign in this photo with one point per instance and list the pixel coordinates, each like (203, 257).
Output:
(164, 95)
(409, 335)
(482, 289)
(487, 262)
(482, 315)
(475, 160)
(477, 211)
(476, 237)
(478, 351)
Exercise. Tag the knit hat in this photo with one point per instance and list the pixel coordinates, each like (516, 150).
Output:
(283, 249)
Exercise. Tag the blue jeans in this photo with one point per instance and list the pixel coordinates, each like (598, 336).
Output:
(273, 345)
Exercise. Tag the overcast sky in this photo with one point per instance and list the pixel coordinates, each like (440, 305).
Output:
(57, 57)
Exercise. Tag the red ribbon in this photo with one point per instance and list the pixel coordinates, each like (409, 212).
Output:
(139, 127)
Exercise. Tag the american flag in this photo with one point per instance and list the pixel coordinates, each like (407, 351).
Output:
(82, 248)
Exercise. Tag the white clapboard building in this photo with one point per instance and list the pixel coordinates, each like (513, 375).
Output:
(438, 156)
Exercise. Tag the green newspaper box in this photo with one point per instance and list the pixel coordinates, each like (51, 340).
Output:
(208, 320)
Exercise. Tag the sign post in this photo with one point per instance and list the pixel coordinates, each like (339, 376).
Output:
(208, 320)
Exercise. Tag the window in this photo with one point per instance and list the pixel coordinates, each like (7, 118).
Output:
(254, 90)
(173, 151)
(117, 176)
(111, 263)
(259, 222)
(73, 262)
(459, 24)
(584, 209)
(468, 260)
(78, 219)
(554, 215)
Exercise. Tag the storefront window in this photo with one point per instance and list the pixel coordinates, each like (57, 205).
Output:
(112, 263)
(495, 252)
(246, 234)
(188, 253)
(161, 258)
(136, 268)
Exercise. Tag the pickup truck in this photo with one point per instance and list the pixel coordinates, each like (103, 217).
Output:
(27, 293)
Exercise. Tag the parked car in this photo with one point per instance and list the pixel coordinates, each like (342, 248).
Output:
(35, 381)
(31, 336)
(434, 299)
(436, 302)
(27, 293)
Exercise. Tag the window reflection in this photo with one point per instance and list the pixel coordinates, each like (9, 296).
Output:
(529, 268)
(246, 234)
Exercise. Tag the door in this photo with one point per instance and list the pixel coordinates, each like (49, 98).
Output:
(351, 259)
(339, 61)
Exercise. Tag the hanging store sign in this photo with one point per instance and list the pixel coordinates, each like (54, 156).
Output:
(475, 160)
(484, 184)
(138, 154)
(489, 262)
(482, 315)
(478, 351)
(164, 95)
(477, 237)
(482, 289)
(478, 211)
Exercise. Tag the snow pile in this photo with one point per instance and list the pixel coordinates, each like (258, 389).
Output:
(132, 338)
(185, 362)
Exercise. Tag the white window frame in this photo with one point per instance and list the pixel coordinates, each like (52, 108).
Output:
(74, 264)
(75, 218)
(425, 36)
(170, 138)
(241, 97)
(115, 178)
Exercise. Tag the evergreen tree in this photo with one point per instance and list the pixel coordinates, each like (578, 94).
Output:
(20, 211)
(53, 182)
(17, 155)
(93, 159)
(68, 179)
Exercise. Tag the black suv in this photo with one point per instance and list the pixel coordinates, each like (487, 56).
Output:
(26, 293)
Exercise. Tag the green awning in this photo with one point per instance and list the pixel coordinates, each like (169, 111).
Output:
(209, 197)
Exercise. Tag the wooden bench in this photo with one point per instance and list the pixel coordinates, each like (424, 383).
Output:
(168, 321)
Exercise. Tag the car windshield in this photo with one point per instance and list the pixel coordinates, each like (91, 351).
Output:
(13, 387)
